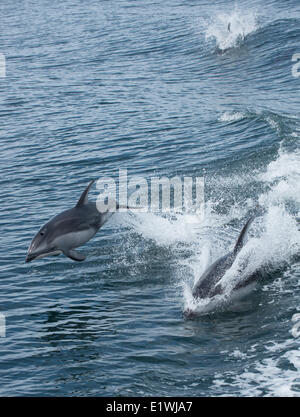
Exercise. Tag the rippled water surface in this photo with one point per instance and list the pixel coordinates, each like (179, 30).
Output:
(160, 88)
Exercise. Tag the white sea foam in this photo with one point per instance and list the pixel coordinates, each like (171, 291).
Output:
(283, 176)
(231, 116)
(295, 331)
(272, 376)
(267, 377)
(229, 30)
(166, 230)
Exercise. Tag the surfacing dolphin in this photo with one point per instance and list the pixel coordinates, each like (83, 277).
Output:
(68, 230)
(207, 286)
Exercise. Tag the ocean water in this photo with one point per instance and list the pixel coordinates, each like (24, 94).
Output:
(159, 88)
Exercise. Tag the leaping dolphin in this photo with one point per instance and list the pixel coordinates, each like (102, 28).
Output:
(208, 286)
(68, 230)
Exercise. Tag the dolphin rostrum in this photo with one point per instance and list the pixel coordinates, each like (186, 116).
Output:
(68, 230)
(207, 285)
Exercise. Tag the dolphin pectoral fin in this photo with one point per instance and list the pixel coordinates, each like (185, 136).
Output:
(73, 254)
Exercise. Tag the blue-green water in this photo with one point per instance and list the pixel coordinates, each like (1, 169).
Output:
(159, 88)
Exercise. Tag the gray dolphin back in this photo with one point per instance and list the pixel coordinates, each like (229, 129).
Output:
(207, 285)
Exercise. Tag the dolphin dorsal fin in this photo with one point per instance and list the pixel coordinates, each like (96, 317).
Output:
(84, 198)
(241, 240)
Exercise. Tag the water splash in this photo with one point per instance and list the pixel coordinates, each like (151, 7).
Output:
(276, 239)
(282, 176)
(231, 116)
(273, 242)
(228, 30)
(166, 230)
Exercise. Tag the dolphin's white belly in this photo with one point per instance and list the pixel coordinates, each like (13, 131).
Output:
(74, 239)
(54, 253)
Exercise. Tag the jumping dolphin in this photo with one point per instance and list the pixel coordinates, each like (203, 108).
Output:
(208, 286)
(68, 230)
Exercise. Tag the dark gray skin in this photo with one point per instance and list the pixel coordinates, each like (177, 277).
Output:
(68, 230)
(207, 286)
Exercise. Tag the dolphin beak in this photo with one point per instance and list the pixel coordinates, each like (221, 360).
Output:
(32, 255)
(29, 258)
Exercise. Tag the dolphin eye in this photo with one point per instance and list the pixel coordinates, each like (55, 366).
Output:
(42, 233)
